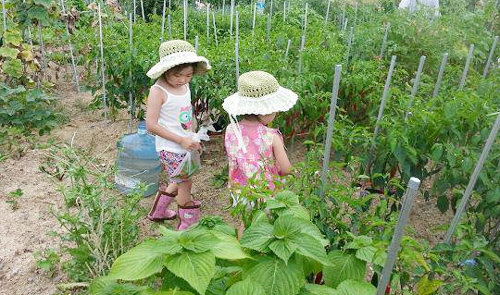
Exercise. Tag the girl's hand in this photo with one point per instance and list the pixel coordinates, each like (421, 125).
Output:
(189, 144)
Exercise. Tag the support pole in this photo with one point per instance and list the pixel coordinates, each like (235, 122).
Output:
(215, 29)
(411, 191)
(440, 74)
(490, 57)
(163, 20)
(472, 182)
(327, 15)
(185, 19)
(466, 67)
(73, 63)
(329, 132)
(414, 90)
(287, 48)
(104, 102)
(384, 40)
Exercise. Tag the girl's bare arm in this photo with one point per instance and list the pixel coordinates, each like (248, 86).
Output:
(280, 155)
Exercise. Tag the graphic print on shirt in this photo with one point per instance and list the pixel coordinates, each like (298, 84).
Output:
(185, 117)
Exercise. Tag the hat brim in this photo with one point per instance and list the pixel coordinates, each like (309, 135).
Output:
(175, 59)
(279, 101)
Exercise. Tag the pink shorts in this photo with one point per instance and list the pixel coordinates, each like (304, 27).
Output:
(169, 162)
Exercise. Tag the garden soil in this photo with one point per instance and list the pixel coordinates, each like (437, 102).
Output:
(26, 224)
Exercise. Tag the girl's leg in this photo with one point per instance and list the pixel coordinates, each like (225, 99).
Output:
(184, 192)
(171, 188)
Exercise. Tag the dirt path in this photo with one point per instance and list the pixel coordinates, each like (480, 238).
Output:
(23, 230)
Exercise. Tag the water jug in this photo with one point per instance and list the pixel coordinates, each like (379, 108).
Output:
(137, 162)
(261, 5)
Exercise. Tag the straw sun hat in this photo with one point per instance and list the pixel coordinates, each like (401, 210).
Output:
(174, 53)
(259, 93)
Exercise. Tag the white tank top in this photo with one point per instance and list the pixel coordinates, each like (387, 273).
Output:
(176, 115)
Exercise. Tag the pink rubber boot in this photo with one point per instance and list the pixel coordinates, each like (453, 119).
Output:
(189, 215)
(160, 209)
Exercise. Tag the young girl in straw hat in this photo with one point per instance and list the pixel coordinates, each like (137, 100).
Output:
(253, 149)
(169, 116)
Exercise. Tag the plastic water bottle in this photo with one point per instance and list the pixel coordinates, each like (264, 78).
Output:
(261, 5)
(137, 162)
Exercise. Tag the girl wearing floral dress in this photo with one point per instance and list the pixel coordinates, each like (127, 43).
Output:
(253, 149)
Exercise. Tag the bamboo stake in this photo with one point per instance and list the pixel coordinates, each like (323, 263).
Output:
(415, 85)
(163, 20)
(329, 132)
(327, 12)
(466, 67)
(102, 64)
(472, 182)
(223, 7)
(73, 63)
(215, 29)
(440, 74)
(411, 191)
(490, 57)
(384, 40)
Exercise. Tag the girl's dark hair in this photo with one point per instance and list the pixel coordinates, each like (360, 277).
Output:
(180, 67)
(251, 117)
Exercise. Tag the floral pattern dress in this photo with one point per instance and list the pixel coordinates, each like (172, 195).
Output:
(259, 159)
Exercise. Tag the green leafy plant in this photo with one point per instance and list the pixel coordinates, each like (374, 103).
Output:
(47, 261)
(13, 197)
(99, 223)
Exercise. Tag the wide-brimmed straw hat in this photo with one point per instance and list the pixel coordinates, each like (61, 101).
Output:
(174, 53)
(259, 93)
